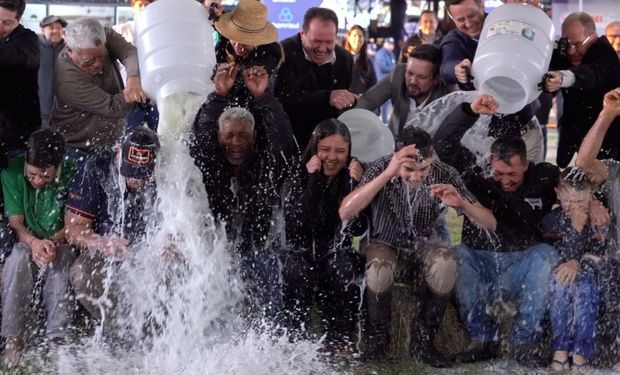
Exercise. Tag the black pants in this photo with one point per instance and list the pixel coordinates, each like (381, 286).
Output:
(332, 281)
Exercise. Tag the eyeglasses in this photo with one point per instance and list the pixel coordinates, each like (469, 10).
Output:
(577, 45)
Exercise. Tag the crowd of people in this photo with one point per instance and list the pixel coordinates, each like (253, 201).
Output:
(312, 227)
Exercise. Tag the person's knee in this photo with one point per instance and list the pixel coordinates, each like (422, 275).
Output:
(441, 271)
(20, 258)
(64, 258)
(543, 257)
(380, 275)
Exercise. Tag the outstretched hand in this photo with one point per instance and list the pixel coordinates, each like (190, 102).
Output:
(448, 195)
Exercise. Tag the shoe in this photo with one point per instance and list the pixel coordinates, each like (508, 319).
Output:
(12, 352)
(530, 355)
(478, 351)
(429, 355)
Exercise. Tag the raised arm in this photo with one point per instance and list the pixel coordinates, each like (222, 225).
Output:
(591, 145)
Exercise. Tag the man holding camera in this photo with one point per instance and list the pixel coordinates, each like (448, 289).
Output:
(584, 67)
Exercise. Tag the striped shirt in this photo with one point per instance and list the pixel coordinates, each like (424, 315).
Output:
(403, 217)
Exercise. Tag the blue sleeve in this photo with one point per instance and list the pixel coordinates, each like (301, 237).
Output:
(85, 193)
(569, 243)
(453, 52)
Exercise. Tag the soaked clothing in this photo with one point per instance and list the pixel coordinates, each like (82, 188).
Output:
(246, 197)
(90, 111)
(417, 211)
(96, 194)
(268, 56)
(611, 190)
(304, 88)
(43, 209)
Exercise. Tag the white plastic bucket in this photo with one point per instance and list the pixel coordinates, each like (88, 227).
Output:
(513, 54)
(175, 48)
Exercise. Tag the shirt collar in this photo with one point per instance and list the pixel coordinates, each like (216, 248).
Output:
(332, 58)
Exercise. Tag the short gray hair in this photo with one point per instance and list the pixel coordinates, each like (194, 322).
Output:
(237, 114)
(84, 32)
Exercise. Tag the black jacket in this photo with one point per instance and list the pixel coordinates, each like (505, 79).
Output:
(19, 99)
(304, 88)
(245, 198)
(49, 53)
(598, 73)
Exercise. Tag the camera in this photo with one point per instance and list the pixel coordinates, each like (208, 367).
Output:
(563, 45)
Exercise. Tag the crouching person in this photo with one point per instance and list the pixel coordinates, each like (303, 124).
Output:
(35, 188)
(403, 196)
(110, 201)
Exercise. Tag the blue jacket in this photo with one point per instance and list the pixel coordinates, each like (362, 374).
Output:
(385, 62)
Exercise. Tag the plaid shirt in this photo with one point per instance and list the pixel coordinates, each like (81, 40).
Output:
(403, 217)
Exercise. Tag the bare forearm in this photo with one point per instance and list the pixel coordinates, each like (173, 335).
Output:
(83, 237)
(22, 233)
(360, 198)
(480, 215)
(593, 141)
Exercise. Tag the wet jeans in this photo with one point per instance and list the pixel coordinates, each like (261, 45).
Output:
(486, 277)
(573, 311)
(19, 280)
(260, 270)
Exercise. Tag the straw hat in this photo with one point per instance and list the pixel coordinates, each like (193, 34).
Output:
(247, 24)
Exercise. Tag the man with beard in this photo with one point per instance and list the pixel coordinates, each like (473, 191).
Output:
(410, 87)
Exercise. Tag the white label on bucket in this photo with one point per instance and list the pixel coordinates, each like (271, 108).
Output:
(511, 28)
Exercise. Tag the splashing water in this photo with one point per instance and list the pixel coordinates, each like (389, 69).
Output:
(184, 302)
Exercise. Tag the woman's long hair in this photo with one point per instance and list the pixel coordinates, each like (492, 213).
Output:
(324, 129)
(361, 60)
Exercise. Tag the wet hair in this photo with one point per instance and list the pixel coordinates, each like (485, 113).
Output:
(430, 53)
(324, 129)
(17, 6)
(573, 177)
(361, 63)
(584, 18)
(422, 140)
(322, 14)
(85, 32)
(45, 148)
(507, 146)
(237, 114)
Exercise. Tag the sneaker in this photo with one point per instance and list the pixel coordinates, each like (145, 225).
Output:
(478, 351)
(12, 351)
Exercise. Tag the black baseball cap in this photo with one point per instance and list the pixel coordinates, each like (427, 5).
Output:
(139, 153)
(51, 19)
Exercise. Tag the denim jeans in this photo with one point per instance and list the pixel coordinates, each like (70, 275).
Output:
(261, 272)
(485, 277)
(573, 311)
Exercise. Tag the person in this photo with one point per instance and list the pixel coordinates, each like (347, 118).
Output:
(585, 71)
(19, 62)
(612, 33)
(322, 265)
(249, 40)
(414, 186)
(51, 42)
(513, 263)
(427, 34)
(364, 76)
(313, 82)
(110, 202)
(606, 174)
(385, 62)
(140, 113)
(244, 157)
(409, 87)
(90, 104)
(460, 44)
(35, 191)
(574, 295)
